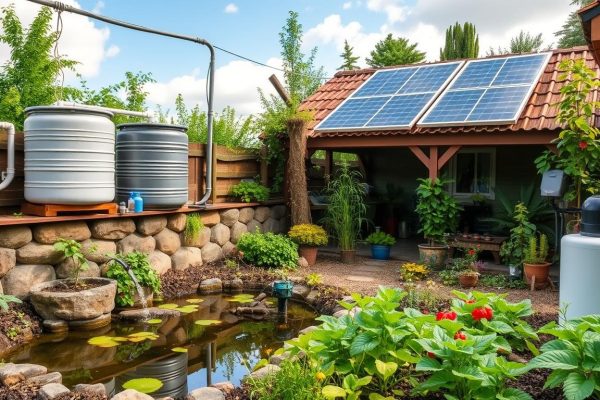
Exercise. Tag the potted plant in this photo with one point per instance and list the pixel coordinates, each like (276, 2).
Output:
(346, 211)
(308, 237)
(535, 262)
(380, 243)
(438, 214)
(468, 276)
(75, 298)
(513, 250)
(127, 294)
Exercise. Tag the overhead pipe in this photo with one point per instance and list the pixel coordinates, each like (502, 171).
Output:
(211, 79)
(9, 174)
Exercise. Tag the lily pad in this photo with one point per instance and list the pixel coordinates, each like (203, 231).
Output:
(207, 322)
(179, 349)
(141, 336)
(194, 301)
(154, 321)
(105, 341)
(242, 298)
(190, 308)
(143, 385)
(168, 306)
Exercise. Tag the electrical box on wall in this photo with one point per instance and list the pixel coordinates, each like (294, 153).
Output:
(554, 183)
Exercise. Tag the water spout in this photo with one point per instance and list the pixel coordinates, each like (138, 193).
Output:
(138, 287)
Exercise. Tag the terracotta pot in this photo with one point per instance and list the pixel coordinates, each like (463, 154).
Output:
(541, 273)
(468, 281)
(348, 256)
(309, 253)
(434, 256)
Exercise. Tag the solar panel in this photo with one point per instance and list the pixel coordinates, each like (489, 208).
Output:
(391, 98)
(488, 91)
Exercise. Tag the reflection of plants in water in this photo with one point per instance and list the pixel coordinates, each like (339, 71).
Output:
(78, 375)
(228, 361)
(130, 351)
(194, 331)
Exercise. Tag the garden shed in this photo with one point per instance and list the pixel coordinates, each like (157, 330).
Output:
(483, 158)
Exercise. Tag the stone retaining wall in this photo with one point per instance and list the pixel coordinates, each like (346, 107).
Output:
(27, 255)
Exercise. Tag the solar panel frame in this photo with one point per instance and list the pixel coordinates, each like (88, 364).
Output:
(434, 94)
(449, 89)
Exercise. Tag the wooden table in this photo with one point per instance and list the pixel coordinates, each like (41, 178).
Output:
(492, 244)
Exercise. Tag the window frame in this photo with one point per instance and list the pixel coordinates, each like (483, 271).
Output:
(491, 195)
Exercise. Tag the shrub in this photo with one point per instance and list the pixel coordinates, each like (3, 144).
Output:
(294, 381)
(308, 235)
(249, 191)
(144, 274)
(193, 226)
(72, 249)
(314, 279)
(537, 254)
(513, 250)
(381, 238)
(437, 210)
(268, 250)
(413, 271)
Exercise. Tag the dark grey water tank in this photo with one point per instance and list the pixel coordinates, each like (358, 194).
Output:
(153, 159)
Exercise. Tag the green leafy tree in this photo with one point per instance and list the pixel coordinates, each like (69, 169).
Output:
(462, 41)
(349, 58)
(28, 76)
(577, 146)
(394, 51)
(526, 42)
(571, 33)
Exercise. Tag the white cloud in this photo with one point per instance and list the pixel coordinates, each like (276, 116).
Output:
(81, 39)
(235, 85)
(231, 8)
(395, 11)
(98, 7)
(347, 5)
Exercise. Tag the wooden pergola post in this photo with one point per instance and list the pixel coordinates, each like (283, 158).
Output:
(434, 163)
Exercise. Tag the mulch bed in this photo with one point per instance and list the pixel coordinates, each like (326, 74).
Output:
(18, 325)
(27, 391)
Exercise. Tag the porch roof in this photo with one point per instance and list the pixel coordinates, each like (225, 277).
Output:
(538, 116)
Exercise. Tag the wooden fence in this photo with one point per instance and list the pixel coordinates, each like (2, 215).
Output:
(230, 167)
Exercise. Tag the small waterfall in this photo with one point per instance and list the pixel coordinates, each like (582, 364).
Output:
(140, 292)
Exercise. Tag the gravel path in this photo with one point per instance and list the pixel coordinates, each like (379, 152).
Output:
(367, 274)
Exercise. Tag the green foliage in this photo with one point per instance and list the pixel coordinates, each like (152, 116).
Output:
(571, 33)
(578, 150)
(500, 281)
(462, 41)
(144, 274)
(514, 249)
(381, 238)
(308, 235)
(573, 357)
(537, 254)
(249, 191)
(72, 249)
(193, 226)
(313, 279)
(5, 299)
(394, 51)
(526, 42)
(28, 76)
(268, 250)
(413, 271)
(346, 210)
(294, 381)
(349, 58)
(438, 211)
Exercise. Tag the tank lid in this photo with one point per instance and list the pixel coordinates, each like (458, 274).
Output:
(590, 217)
(67, 109)
(150, 125)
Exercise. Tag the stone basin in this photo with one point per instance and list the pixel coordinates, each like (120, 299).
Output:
(74, 306)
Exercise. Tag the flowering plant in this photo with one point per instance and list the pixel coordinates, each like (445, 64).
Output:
(413, 271)
(308, 235)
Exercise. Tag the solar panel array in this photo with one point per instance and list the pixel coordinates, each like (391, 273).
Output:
(486, 91)
(393, 98)
(489, 91)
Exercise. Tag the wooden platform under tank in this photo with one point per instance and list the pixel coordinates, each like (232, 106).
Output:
(53, 210)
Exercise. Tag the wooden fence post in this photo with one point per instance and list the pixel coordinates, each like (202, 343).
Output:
(299, 204)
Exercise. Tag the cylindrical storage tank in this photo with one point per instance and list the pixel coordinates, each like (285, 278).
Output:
(579, 265)
(153, 159)
(171, 371)
(69, 156)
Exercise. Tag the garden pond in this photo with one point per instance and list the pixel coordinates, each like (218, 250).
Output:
(205, 345)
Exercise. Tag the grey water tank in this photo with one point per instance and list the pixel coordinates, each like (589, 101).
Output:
(69, 156)
(153, 159)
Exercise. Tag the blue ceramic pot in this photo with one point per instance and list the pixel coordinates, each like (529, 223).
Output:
(380, 252)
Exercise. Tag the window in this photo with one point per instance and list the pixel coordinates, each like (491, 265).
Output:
(474, 172)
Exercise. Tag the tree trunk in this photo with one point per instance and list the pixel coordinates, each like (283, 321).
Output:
(299, 205)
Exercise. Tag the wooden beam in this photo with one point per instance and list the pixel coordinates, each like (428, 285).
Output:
(264, 167)
(328, 165)
(280, 89)
(448, 154)
(416, 150)
(458, 139)
(433, 162)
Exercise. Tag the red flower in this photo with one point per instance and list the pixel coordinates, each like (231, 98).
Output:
(445, 315)
(430, 354)
(460, 336)
(472, 252)
(583, 145)
(484, 312)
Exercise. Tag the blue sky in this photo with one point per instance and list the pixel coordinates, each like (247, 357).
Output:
(251, 28)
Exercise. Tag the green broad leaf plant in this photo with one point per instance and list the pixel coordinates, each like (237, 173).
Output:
(250, 191)
(514, 250)
(438, 211)
(143, 271)
(72, 249)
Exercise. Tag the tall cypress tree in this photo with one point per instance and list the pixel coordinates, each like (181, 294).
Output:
(461, 42)
(571, 34)
(349, 58)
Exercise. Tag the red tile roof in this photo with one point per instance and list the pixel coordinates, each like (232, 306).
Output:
(538, 115)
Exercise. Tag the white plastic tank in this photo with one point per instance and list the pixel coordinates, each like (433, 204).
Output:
(69, 156)
(580, 264)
